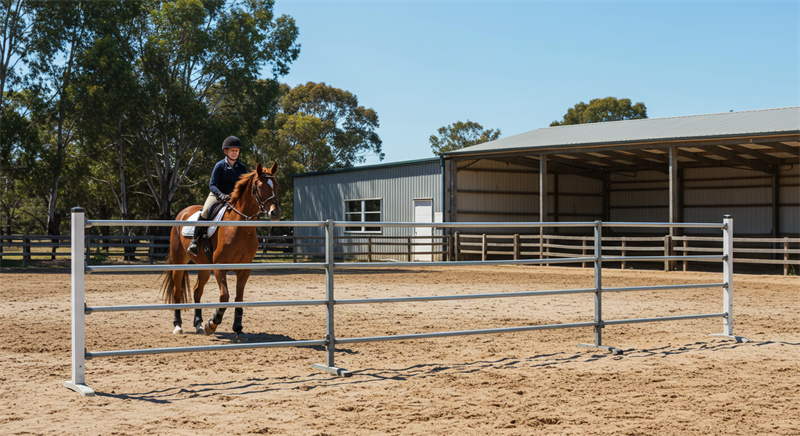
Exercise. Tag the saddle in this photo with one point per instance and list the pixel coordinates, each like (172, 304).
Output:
(216, 210)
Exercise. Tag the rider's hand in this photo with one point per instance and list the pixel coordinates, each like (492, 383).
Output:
(224, 197)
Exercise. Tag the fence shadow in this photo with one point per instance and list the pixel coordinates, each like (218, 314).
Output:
(316, 380)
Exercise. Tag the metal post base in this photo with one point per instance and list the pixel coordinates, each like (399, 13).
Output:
(332, 369)
(738, 339)
(603, 348)
(82, 389)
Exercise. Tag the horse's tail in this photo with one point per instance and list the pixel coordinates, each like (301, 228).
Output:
(168, 285)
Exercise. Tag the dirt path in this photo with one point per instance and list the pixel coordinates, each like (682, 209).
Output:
(672, 379)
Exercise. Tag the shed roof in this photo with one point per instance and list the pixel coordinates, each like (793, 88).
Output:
(711, 126)
(371, 167)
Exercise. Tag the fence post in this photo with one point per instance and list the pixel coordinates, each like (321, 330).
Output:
(151, 250)
(786, 256)
(667, 250)
(369, 248)
(583, 252)
(330, 338)
(685, 253)
(624, 245)
(598, 283)
(78, 382)
(449, 246)
(455, 245)
(598, 294)
(727, 272)
(26, 250)
(483, 246)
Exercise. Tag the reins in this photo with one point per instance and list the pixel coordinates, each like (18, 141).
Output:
(262, 209)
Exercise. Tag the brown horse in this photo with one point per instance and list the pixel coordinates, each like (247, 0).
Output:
(255, 194)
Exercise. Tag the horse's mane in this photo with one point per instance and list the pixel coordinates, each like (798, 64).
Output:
(241, 185)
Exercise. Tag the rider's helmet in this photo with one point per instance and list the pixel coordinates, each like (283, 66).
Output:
(231, 142)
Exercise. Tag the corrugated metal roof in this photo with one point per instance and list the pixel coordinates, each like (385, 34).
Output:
(729, 124)
(370, 167)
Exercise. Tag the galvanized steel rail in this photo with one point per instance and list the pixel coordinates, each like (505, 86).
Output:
(80, 310)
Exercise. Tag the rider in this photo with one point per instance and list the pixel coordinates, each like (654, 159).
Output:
(223, 179)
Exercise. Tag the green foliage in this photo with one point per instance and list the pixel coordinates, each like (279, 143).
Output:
(348, 128)
(602, 109)
(460, 135)
(125, 103)
(318, 127)
(14, 20)
(198, 64)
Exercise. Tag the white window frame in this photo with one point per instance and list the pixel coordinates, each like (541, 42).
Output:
(363, 215)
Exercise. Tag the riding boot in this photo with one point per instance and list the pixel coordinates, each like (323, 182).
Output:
(199, 232)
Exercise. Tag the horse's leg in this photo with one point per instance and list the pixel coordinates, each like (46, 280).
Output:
(177, 294)
(177, 323)
(224, 296)
(241, 280)
(202, 279)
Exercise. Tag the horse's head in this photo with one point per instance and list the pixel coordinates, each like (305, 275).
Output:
(265, 189)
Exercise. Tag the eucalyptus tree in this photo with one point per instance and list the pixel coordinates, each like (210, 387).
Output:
(59, 34)
(107, 100)
(318, 127)
(197, 62)
(347, 127)
(14, 29)
(603, 109)
(459, 135)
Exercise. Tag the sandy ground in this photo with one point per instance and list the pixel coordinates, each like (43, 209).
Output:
(672, 378)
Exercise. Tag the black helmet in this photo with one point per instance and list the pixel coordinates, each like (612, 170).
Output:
(231, 142)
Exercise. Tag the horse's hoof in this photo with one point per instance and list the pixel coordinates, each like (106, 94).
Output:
(210, 328)
(199, 329)
(178, 330)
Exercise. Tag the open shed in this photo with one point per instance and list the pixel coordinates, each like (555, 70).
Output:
(682, 169)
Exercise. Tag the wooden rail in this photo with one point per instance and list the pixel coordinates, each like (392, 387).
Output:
(783, 252)
(23, 249)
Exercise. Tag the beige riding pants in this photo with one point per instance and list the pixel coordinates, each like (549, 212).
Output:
(211, 199)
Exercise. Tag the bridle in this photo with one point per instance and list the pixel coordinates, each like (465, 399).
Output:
(262, 204)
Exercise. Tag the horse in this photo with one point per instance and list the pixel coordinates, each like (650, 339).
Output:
(255, 194)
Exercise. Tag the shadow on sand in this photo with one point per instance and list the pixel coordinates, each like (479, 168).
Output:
(314, 380)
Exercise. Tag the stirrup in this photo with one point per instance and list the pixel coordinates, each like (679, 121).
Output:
(194, 247)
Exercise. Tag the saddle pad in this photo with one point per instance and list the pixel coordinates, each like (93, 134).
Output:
(188, 231)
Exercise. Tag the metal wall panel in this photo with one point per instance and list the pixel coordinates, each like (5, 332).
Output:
(322, 196)
(789, 199)
(496, 191)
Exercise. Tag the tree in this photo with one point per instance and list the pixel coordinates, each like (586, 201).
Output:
(19, 152)
(196, 62)
(60, 32)
(461, 134)
(318, 127)
(348, 129)
(106, 101)
(602, 109)
(14, 28)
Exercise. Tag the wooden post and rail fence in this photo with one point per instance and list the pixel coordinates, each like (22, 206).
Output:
(782, 253)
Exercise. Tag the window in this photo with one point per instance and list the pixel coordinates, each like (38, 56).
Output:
(363, 211)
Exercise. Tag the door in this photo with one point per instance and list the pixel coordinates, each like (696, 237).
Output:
(423, 213)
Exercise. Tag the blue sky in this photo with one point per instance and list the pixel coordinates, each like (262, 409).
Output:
(518, 66)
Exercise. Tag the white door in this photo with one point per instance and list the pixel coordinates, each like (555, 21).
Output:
(423, 213)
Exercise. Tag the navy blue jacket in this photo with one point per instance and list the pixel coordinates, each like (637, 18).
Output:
(224, 177)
